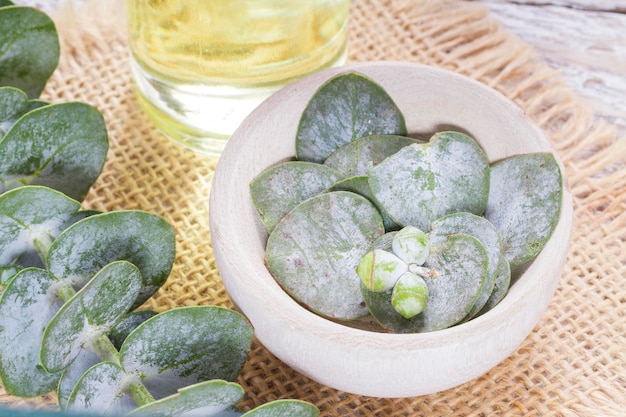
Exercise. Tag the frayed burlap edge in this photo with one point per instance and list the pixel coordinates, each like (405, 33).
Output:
(572, 364)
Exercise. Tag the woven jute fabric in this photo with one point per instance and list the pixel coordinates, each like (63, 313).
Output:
(574, 361)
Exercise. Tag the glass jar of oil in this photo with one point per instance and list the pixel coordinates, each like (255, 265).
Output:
(201, 66)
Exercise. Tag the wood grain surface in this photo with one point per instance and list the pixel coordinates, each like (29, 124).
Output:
(585, 39)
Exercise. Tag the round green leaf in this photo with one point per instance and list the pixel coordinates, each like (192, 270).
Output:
(525, 203)
(13, 102)
(313, 253)
(185, 346)
(459, 266)
(501, 287)
(30, 219)
(423, 182)
(277, 190)
(29, 49)
(284, 408)
(62, 146)
(26, 307)
(72, 374)
(103, 390)
(142, 238)
(357, 157)
(346, 107)
(127, 324)
(90, 314)
(202, 399)
(360, 185)
(486, 233)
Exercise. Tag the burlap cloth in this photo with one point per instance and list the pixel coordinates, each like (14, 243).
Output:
(572, 364)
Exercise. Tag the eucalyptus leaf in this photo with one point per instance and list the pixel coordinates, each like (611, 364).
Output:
(142, 238)
(360, 185)
(486, 233)
(185, 346)
(72, 374)
(346, 107)
(357, 157)
(501, 286)
(284, 408)
(7, 273)
(26, 306)
(202, 399)
(278, 189)
(13, 102)
(30, 219)
(103, 389)
(90, 314)
(127, 324)
(29, 49)
(525, 203)
(4, 3)
(313, 253)
(423, 182)
(62, 146)
(459, 266)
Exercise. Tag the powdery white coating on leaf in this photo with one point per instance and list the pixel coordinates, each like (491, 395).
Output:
(284, 408)
(185, 346)
(101, 390)
(89, 314)
(525, 203)
(486, 233)
(199, 400)
(29, 215)
(277, 190)
(313, 252)
(501, 287)
(26, 307)
(61, 146)
(423, 182)
(357, 157)
(144, 239)
(72, 374)
(360, 185)
(460, 263)
(346, 107)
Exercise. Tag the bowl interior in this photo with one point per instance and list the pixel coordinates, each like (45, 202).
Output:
(347, 358)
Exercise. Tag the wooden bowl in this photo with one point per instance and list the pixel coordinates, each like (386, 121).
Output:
(350, 359)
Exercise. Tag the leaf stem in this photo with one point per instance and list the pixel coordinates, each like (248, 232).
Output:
(139, 392)
(104, 348)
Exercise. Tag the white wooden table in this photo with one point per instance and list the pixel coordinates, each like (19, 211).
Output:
(585, 39)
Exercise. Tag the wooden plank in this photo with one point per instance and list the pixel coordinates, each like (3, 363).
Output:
(588, 46)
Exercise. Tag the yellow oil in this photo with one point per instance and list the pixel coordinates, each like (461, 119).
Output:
(201, 65)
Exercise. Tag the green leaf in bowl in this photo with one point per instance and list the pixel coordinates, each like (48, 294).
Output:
(29, 48)
(357, 157)
(525, 203)
(346, 107)
(278, 189)
(62, 146)
(486, 233)
(313, 253)
(458, 267)
(423, 182)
